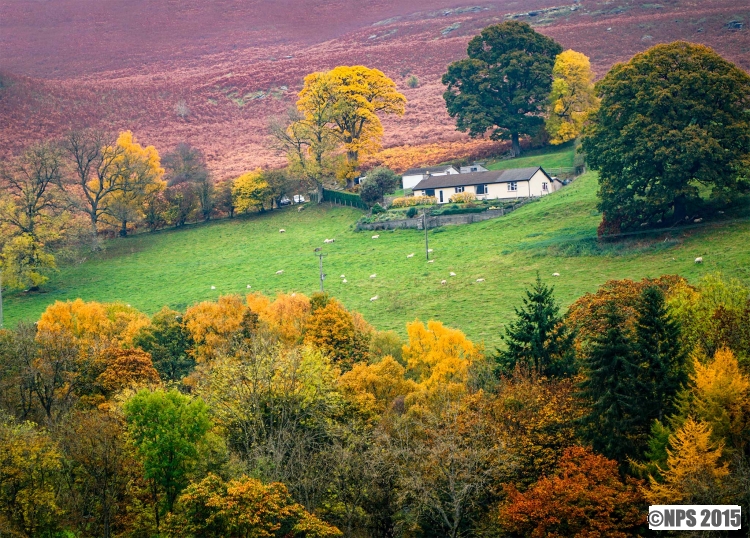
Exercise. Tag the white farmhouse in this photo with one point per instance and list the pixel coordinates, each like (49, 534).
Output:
(415, 175)
(491, 185)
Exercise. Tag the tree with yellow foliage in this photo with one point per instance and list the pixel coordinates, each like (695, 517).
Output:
(356, 96)
(721, 399)
(30, 218)
(243, 507)
(439, 358)
(286, 316)
(212, 324)
(375, 387)
(138, 176)
(29, 466)
(331, 329)
(249, 191)
(572, 96)
(695, 474)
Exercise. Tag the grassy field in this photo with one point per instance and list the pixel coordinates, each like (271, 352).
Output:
(556, 157)
(555, 234)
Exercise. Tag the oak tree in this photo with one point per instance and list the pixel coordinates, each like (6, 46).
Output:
(672, 121)
(503, 85)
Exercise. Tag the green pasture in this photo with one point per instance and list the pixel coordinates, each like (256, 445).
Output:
(553, 235)
(548, 158)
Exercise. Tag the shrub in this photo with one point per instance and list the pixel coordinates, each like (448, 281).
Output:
(409, 201)
(412, 81)
(377, 208)
(462, 197)
(411, 213)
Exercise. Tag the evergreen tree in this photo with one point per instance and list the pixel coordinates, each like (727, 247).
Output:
(611, 389)
(660, 355)
(538, 337)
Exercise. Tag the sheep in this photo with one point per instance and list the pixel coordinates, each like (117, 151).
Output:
(429, 250)
(697, 220)
(410, 255)
(300, 208)
(282, 231)
(328, 240)
(375, 236)
(430, 261)
(699, 259)
(373, 298)
(213, 287)
(249, 286)
(279, 272)
(373, 275)
(555, 274)
(480, 280)
(344, 281)
(443, 282)
(342, 276)
(452, 273)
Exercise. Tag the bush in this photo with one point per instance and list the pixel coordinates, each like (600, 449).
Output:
(411, 213)
(462, 197)
(409, 201)
(377, 208)
(412, 81)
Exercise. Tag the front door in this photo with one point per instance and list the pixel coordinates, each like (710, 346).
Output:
(441, 197)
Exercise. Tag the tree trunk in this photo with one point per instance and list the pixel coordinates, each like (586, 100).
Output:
(319, 189)
(124, 229)
(515, 145)
(680, 208)
(94, 235)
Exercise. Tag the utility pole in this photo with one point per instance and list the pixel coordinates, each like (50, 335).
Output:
(320, 265)
(426, 244)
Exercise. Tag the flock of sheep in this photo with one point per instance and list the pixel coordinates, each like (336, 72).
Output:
(374, 275)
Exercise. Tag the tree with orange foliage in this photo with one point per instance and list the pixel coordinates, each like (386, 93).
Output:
(92, 325)
(286, 316)
(586, 315)
(585, 498)
(539, 418)
(245, 506)
(331, 329)
(127, 368)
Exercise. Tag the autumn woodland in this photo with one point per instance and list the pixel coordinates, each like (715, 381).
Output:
(277, 410)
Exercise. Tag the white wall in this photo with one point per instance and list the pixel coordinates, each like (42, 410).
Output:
(408, 182)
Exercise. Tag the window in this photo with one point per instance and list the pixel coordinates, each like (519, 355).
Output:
(459, 189)
(441, 197)
(513, 186)
(429, 192)
(544, 186)
(481, 189)
(474, 169)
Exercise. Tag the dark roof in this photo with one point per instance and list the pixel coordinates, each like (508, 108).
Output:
(478, 178)
(431, 169)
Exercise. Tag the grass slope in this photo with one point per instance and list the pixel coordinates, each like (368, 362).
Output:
(548, 158)
(554, 234)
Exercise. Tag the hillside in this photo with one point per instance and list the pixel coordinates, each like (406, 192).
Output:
(555, 234)
(234, 64)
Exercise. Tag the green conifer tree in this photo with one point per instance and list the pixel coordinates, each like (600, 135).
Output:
(611, 390)
(660, 355)
(538, 338)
